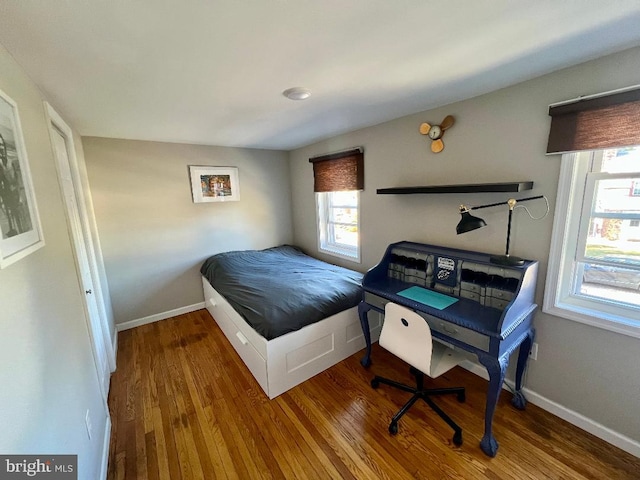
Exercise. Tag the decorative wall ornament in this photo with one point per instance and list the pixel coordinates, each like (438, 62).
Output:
(436, 132)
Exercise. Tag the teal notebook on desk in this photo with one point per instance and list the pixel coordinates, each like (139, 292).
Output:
(428, 297)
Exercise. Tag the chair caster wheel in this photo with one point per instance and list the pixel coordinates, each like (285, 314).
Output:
(393, 428)
(461, 397)
(457, 439)
(375, 383)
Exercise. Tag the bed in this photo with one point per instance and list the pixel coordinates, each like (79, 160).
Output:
(288, 316)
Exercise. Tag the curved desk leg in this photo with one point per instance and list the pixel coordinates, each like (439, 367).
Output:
(363, 308)
(497, 369)
(519, 401)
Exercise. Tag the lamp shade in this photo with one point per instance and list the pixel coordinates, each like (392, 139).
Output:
(468, 222)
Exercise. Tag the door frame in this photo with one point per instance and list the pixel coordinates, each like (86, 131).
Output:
(100, 332)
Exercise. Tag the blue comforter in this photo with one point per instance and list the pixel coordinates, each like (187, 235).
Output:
(280, 289)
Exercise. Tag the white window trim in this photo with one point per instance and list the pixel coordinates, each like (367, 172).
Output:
(352, 255)
(558, 299)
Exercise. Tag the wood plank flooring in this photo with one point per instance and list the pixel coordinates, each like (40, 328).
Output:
(184, 406)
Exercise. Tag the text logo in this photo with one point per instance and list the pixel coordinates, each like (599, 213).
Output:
(50, 467)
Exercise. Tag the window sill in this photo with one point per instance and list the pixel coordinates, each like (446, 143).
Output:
(355, 258)
(598, 319)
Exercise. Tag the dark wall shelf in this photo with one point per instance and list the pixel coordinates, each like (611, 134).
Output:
(469, 188)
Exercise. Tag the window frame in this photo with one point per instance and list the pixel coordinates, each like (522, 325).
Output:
(560, 298)
(326, 237)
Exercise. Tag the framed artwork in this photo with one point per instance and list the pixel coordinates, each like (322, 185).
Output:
(20, 229)
(214, 184)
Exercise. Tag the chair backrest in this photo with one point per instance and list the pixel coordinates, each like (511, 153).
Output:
(407, 335)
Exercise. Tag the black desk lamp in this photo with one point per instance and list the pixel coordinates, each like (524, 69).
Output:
(468, 222)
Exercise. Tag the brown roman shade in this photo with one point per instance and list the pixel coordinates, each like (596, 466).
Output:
(596, 122)
(338, 172)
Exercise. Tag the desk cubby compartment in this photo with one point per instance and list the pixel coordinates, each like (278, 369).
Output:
(501, 290)
(476, 297)
(411, 267)
(489, 285)
(473, 283)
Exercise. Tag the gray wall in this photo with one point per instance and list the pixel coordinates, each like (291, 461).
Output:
(497, 137)
(48, 378)
(154, 238)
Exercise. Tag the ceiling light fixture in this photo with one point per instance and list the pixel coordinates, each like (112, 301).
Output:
(297, 93)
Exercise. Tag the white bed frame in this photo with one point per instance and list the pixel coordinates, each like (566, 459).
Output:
(288, 360)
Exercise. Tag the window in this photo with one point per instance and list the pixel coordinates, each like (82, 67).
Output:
(594, 263)
(338, 222)
(338, 178)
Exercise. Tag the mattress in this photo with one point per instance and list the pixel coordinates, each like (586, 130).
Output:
(281, 289)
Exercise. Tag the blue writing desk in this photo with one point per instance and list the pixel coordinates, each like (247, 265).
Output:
(489, 311)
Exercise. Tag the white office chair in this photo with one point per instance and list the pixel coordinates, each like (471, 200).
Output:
(407, 335)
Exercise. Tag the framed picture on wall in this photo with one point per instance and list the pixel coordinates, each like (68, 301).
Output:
(214, 184)
(20, 230)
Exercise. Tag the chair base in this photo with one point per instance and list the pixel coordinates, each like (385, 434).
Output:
(419, 392)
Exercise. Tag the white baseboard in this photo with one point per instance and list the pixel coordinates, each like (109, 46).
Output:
(105, 450)
(614, 438)
(158, 316)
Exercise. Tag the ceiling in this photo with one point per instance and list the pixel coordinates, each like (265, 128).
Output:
(213, 71)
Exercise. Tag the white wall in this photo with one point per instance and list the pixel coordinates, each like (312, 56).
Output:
(48, 378)
(154, 238)
(497, 137)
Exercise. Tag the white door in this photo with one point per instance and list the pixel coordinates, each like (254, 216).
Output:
(62, 144)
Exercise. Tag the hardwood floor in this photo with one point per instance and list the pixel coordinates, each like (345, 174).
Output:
(184, 406)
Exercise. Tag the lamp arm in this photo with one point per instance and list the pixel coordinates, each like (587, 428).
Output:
(506, 203)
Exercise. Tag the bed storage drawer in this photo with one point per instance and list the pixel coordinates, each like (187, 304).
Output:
(249, 355)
